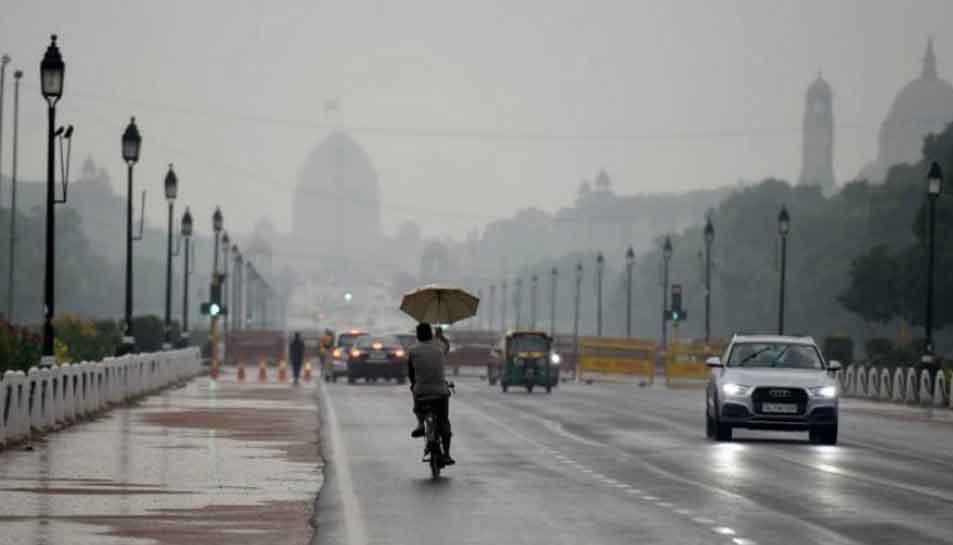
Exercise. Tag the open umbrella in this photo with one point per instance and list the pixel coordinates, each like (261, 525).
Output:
(439, 304)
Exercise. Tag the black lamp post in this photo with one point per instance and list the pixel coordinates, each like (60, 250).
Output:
(52, 71)
(629, 265)
(666, 257)
(709, 239)
(226, 250)
(236, 296)
(503, 306)
(934, 189)
(518, 301)
(532, 301)
(217, 222)
(784, 227)
(600, 268)
(187, 236)
(131, 145)
(171, 192)
(575, 320)
(554, 276)
(492, 305)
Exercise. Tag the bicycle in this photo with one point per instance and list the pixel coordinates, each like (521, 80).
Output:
(433, 449)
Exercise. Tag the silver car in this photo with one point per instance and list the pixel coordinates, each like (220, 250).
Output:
(772, 383)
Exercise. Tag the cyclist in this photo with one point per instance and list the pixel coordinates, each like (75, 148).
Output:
(425, 369)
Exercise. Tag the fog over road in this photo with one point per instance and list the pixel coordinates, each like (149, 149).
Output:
(617, 464)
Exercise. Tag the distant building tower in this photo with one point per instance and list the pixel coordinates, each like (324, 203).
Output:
(817, 149)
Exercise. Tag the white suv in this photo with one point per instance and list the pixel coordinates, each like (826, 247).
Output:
(772, 383)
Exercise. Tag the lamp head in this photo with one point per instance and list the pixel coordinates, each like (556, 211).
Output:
(667, 248)
(187, 223)
(709, 231)
(935, 180)
(784, 221)
(630, 256)
(131, 143)
(171, 184)
(52, 70)
(217, 220)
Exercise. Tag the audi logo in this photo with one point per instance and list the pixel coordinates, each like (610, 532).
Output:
(779, 393)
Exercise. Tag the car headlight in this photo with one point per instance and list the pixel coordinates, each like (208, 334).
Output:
(555, 359)
(827, 392)
(735, 390)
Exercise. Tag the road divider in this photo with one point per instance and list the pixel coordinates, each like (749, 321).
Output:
(903, 385)
(43, 400)
(617, 360)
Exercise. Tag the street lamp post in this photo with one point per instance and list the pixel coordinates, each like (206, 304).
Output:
(709, 239)
(131, 146)
(784, 226)
(934, 189)
(13, 198)
(186, 272)
(532, 301)
(503, 307)
(171, 191)
(4, 61)
(575, 320)
(600, 269)
(629, 265)
(52, 71)
(553, 274)
(666, 257)
(226, 250)
(518, 300)
(236, 296)
(217, 222)
(492, 305)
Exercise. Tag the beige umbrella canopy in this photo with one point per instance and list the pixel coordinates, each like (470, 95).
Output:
(439, 304)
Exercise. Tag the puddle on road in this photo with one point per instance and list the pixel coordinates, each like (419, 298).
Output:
(236, 465)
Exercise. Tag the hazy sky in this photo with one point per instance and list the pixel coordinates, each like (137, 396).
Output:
(476, 108)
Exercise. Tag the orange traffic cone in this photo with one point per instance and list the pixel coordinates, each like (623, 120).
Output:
(241, 372)
(282, 371)
(307, 371)
(262, 371)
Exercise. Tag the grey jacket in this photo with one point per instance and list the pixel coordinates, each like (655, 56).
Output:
(425, 369)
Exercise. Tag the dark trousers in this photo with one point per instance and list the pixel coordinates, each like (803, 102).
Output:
(441, 409)
(296, 370)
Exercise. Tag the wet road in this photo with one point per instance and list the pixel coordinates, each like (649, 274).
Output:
(213, 462)
(618, 464)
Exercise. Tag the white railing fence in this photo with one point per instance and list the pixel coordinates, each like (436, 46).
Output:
(48, 399)
(901, 386)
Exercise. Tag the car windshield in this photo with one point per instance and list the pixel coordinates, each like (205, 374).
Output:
(406, 340)
(529, 343)
(347, 340)
(377, 343)
(779, 354)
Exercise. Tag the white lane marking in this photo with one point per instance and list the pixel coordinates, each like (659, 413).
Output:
(353, 518)
(723, 530)
(743, 541)
(685, 512)
(703, 520)
(623, 486)
(649, 498)
(634, 491)
(664, 504)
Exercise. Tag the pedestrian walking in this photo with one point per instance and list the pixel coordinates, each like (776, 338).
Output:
(296, 353)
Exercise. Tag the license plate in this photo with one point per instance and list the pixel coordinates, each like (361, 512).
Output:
(779, 408)
(378, 355)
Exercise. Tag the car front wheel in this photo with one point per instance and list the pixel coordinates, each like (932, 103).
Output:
(826, 435)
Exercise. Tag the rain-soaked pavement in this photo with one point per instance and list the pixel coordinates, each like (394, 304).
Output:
(212, 462)
(616, 464)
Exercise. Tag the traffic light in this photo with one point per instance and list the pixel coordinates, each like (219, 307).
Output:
(676, 312)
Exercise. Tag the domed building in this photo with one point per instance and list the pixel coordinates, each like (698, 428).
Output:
(337, 201)
(923, 106)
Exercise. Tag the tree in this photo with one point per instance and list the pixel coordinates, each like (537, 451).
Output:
(876, 288)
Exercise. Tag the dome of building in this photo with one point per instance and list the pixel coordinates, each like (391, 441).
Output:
(337, 200)
(923, 106)
(819, 89)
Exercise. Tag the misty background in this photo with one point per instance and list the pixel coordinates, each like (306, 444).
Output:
(480, 142)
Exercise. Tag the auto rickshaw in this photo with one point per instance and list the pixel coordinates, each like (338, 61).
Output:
(523, 358)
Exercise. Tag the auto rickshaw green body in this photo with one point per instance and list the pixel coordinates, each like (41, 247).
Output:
(523, 359)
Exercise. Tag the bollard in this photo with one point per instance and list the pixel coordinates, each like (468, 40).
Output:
(898, 386)
(860, 390)
(939, 390)
(282, 371)
(884, 384)
(910, 396)
(926, 388)
(241, 372)
(262, 371)
(873, 382)
(306, 374)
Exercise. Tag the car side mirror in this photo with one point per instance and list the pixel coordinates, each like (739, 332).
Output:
(833, 366)
(714, 361)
